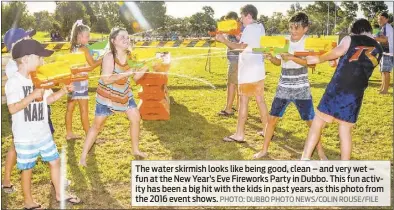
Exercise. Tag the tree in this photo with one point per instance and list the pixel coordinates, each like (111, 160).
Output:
(154, 12)
(276, 24)
(294, 8)
(201, 22)
(349, 16)
(372, 8)
(101, 25)
(67, 13)
(111, 11)
(43, 21)
(14, 14)
(323, 16)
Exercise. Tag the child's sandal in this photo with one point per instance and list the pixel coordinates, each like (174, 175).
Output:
(32, 208)
(8, 189)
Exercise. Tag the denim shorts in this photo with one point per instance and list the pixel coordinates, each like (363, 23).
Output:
(387, 63)
(103, 110)
(304, 107)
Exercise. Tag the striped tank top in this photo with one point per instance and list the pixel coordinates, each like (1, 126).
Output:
(115, 96)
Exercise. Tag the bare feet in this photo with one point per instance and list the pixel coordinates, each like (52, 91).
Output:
(260, 155)
(72, 137)
(140, 154)
(383, 92)
(82, 162)
(261, 133)
(323, 157)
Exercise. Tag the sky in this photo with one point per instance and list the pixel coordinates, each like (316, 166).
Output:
(185, 9)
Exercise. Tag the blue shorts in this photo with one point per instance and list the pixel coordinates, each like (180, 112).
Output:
(27, 153)
(103, 110)
(304, 107)
(387, 63)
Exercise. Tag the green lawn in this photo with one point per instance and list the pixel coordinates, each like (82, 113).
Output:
(195, 132)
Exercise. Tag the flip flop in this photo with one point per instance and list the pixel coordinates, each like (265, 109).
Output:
(35, 207)
(74, 200)
(231, 139)
(225, 114)
(9, 189)
(234, 109)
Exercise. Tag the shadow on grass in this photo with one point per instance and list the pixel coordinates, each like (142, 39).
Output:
(294, 145)
(96, 196)
(198, 139)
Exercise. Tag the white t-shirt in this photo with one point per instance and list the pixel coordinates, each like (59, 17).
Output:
(30, 124)
(251, 65)
(298, 46)
(11, 68)
(390, 37)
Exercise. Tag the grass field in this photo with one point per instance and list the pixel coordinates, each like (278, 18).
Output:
(195, 132)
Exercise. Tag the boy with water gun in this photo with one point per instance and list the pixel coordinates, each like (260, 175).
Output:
(293, 84)
(32, 135)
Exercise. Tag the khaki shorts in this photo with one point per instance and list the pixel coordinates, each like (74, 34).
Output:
(329, 119)
(232, 73)
(251, 89)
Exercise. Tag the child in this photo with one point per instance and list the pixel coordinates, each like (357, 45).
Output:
(114, 92)
(32, 135)
(385, 38)
(251, 73)
(343, 97)
(232, 75)
(10, 38)
(79, 40)
(293, 84)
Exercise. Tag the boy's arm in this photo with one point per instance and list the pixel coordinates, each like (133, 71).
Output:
(56, 96)
(20, 105)
(382, 39)
(231, 45)
(274, 60)
(300, 61)
(337, 52)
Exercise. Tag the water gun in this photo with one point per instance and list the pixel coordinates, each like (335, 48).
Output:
(98, 49)
(230, 27)
(160, 62)
(51, 74)
(316, 47)
(65, 69)
(272, 44)
(77, 62)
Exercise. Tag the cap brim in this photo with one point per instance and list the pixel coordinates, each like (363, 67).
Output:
(45, 53)
(30, 33)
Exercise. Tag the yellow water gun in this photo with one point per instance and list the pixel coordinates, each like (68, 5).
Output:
(52, 74)
(316, 47)
(230, 27)
(77, 62)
